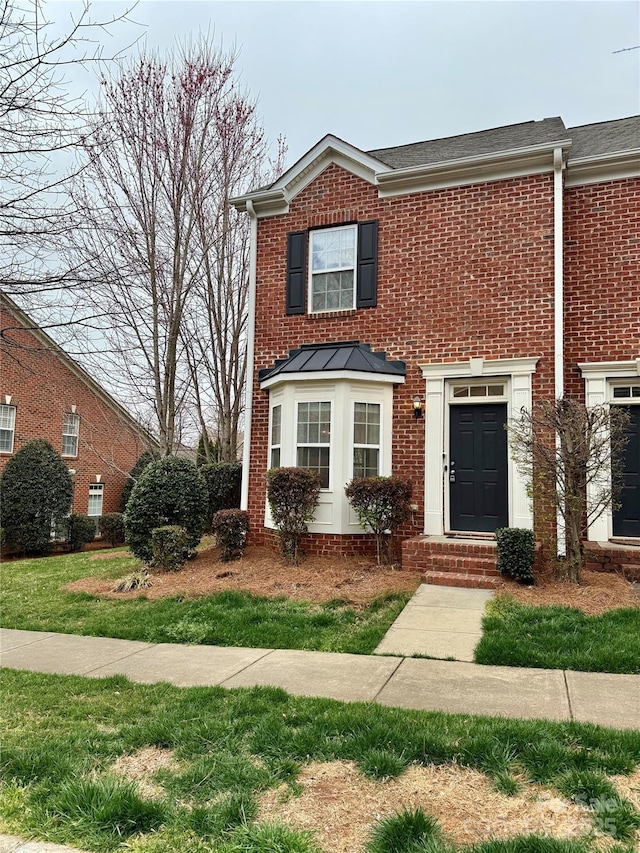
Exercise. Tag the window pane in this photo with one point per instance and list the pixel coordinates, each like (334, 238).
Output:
(365, 462)
(496, 390)
(478, 390)
(275, 457)
(276, 424)
(333, 249)
(622, 392)
(636, 390)
(332, 291)
(317, 459)
(7, 426)
(95, 499)
(70, 432)
(461, 392)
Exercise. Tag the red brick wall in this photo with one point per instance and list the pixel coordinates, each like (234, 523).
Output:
(462, 272)
(602, 275)
(42, 389)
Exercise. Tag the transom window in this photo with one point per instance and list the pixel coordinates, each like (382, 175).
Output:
(70, 433)
(96, 494)
(366, 439)
(276, 435)
(626, 392)
(7, 428)
(493, 390)
(332, 268)
(314, 438)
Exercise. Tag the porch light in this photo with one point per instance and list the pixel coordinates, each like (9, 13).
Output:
(417, 407)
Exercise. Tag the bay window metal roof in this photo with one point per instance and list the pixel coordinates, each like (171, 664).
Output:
(347, 355)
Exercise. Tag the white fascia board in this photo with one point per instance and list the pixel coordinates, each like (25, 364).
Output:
(534, 160)
(331, 376)
(610, 369)
(275, 200)
(603, 167)
(471, 369)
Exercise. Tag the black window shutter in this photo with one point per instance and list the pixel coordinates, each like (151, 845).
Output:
(296, 271)
(367, 295)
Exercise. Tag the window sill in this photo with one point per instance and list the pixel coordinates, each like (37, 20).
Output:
(329, 315)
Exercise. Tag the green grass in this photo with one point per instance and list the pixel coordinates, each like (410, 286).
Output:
(559, 638)
(32, 600)
(62, 734)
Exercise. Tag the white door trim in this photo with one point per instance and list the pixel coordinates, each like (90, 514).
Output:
(599, 379)
(518, 372)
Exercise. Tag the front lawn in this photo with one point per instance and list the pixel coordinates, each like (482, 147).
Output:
(105, 764)
(32, 599)
(558, 637)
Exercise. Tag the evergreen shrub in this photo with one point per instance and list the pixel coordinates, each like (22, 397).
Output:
(36, 495)
(293, 497)
(231, 527)
(111, 526)
(170, 547)
(516, 552)
(224, 480)
(169, 491)
(382, 504)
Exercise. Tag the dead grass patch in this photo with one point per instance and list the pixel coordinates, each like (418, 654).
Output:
(342, 806)
(141, 765)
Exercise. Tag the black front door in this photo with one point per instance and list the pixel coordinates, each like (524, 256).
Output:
(626, 520)
(478, 468)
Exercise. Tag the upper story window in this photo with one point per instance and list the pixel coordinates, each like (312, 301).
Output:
(70, 433)
(332, 271)
(276, 436)
(342, 272)
(314, 439)
(366, 439)
(7, 428)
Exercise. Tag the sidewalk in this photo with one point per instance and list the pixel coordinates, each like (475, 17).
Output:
(433, 685)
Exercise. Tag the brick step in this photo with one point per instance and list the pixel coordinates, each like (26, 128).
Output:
(460, 579)
(459, 547)
(456, 563)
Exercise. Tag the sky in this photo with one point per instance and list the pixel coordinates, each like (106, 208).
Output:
(378, 74)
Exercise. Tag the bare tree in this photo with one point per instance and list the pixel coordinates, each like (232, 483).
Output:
(175, 136)
(41, 125)
(565, 448)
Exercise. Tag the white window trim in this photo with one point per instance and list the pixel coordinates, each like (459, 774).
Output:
(274, 446)
(600, 378)
(96, 488)
(355, 444)
(517, 374)
(13, 429)
(74, 435)
(353, 227)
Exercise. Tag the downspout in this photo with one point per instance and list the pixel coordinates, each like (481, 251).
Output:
(558, 304)
(251, 329)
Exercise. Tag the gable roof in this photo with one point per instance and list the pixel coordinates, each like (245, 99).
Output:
(50, 345)
(351, 356)
(602, 151)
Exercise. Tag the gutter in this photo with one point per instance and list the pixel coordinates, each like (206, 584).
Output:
(251, 330)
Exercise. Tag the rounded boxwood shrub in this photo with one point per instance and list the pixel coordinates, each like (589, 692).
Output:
(111, 526)
(36, 494)
(169, 491)
(170, 548)
(80, 530)
(231, 527)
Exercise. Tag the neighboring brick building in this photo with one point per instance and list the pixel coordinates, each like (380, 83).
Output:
(45, 394)
(471, 275)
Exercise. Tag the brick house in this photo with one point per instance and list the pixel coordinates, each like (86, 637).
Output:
(406, 301)
(45, 394)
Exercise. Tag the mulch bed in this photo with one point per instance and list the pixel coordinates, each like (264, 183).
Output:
(355, 580)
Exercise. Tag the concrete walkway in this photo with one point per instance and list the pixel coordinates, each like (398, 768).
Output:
(432, 685)
(438, 622)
